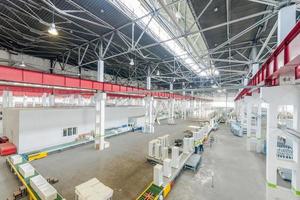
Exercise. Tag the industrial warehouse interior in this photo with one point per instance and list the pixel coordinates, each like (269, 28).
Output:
(149, 99)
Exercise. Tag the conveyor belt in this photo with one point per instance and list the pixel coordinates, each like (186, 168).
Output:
(26, 181)
(193, 162)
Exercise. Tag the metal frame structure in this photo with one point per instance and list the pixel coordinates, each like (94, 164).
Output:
(284, 60)
(82, 46)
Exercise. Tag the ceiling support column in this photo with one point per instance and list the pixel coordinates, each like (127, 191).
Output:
(254, 65)
(100, 144)
(7, 99)
(286, 21)
(44, 100)
(183, 103)
(192, 107)
(171, 107)
(149, 118)
(100, 70)
(51, 100)
(25, 101)
(33, 101)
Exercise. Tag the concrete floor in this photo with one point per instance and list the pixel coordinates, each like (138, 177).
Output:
(228, 172)
(122, 167)
(237, 174)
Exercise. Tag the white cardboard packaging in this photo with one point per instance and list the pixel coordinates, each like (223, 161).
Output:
(186, 145)
(26, 170)
(44, 190)
(16, 159)
(151, 147)
(157, 150)
(164, 153)
(175, 157)
(158, 175)
(167, 168)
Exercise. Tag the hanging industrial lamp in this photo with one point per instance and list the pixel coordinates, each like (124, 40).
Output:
(52, 29)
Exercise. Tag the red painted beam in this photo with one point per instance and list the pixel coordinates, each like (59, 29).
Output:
(34, 83)
(269, 70)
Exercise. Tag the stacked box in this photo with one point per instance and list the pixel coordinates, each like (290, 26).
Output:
(158, 175)
(167, 168)
(93, 190)
(167, 140)
(151, 147)
(16, 159)
(164, 153)
(175, 157)
(44, 190)
(26, 170)
(157, 150)
(186, 145)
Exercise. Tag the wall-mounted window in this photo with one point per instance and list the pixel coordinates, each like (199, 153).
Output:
(69, 131)
(65, 132)
(74, 130)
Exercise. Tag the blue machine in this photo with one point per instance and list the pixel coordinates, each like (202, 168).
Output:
(236, 128)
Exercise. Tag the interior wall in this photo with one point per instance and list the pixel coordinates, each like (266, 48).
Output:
(11, 125)
(39, 128)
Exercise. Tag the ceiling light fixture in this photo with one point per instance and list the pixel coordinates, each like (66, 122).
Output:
(22, 64)
(52, 29)
(216, 9)
(131, 62)
(217, 72)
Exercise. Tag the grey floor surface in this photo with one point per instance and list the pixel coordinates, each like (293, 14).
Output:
(228, 172)
(122, 167)
(237, 174)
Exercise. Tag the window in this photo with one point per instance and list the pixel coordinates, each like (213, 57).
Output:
(70, 131)
(74, 131)
(65, 132)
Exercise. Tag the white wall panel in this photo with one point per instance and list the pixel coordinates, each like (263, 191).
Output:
(39, 128)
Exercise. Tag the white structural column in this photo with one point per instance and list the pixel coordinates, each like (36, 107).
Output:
(33, 101)
(100, 70)
(51, 100)
(80, 101)
(149, 103)
(286, 21)
(149, 118)
(171, 107)
(192, 106)
(249, 116)
(25, 101)
(100, 99)
(7, 99)
(255, 65)
(44, 100)
(289, 95)
(99, 123)
(71, 100)
(184, 104)
(258, 128)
